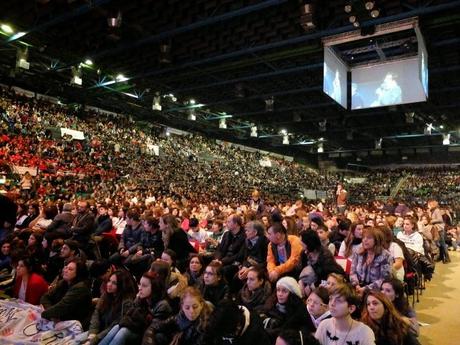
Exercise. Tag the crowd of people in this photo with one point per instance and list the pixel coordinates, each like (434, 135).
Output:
(201, 244)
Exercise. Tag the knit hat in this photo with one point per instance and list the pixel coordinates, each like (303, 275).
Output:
(290, 284)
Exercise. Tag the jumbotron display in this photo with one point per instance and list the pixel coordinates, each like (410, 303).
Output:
(335, 77)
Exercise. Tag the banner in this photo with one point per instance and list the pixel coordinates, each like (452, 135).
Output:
(22, 170)
(265, 163)
(21, 324)
(75, 134)
(153, 149)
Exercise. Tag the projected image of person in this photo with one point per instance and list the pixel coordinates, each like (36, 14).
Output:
(388, 93)
(356, 99)
(336, 90)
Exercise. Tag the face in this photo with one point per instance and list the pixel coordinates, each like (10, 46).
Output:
(315, 305)
(282, 294)
(407, 226)
(375, 308)
(70, 272)
(215, 228)
(368, 242)
(250, 232)
(195, 265)
(65, 251)
(6, 249)
(162, 224)
(210, 276)
(32, 240)
(274, 237)
(145, 288)
(231, 225)
(253, 281)
(305, 222)
(166, 258)
(339, 306)
(21, 269)
(323, 235)
(389, 291)
(112, 284)
(191, 307)
(399, 222)
(82, 207)
(313, 226)
(331, 284)
(265, 221)
(359, 231)
(110, 212)
(102, 211)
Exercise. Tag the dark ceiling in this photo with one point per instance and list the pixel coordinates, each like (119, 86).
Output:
(231, 56)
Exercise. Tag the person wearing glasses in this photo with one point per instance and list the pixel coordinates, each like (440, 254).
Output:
(214, 288)
(318, 305)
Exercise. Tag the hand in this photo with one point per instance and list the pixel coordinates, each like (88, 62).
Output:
(273, 276)
(125, 253)
(139, 253)
(243, 273)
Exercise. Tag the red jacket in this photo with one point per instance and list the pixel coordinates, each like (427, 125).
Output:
(36, 288)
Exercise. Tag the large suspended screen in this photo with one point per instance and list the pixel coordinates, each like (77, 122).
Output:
(335, 77)
(423, 61)
(391, 83)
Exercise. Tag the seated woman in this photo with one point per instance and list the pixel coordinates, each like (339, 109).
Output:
(382, 317)
(257, 289)
(372, 265)
(396, 253)
(352, 243)
(394, 290)
(214, 287)
(150, 306)
(333, 280)
(71, 298)
(186, 328)
(28, 286)
(116, 300)
(286, 310)
(194, 273)
(318, 305)
(411, 238)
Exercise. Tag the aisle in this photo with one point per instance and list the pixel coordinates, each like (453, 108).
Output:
(440, 305)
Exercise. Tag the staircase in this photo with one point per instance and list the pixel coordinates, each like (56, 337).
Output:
(398, 186)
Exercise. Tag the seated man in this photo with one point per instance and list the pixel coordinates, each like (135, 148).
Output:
(284, 253)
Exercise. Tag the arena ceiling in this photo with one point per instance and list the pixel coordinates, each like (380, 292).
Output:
(233, 57)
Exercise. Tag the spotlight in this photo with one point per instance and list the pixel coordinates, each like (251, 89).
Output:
(254, 131)
(7, 29)
(191, 115)
(76, 76)
(286, 140)
(369, 5)
(22, 55)
(88, 62)
(410, 117)
(306, 17)
(446, 139)
(356, 24)
(283, 132)
(428, 128)
(352, 19)
(120, 78)
(375, 13)
(378, 144)
(222, 123)
(347, 8)
(192, 102)
(320, 148)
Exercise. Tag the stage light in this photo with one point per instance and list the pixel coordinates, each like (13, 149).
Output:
(115, 22)
(347, 8)
(192, 115)
(222, 124)
(254, 131)
(22, 55)
(446, 139)
(283, 132)
(369, 5)
(76, 76)
(356, 24)
(320, 148)
(428, 128)
(378, 144)
(7, 29)
(270, 104)
(120, 78)
(352, 19)
(442, 127)
(17, 36)
(375, 13)
(410, 117)
(286, 139)
(192, 102)
(88, 62)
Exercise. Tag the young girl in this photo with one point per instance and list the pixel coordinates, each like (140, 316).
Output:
(138, 317)
(352, 243)
(317, 305)
(256, 290)
(285, 310)
(214, 288)
(113, 304)
(382, 317)
(333, 280)
(186, 328)
(394, 290)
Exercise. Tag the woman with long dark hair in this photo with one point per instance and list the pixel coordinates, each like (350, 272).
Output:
(29, 286)
(386, 322)
(113, 304)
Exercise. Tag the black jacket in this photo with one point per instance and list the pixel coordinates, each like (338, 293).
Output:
(229, 250)
(83, 227)
(255, 254)
(180, 244)
(214, 294)
(61, 224)
(103, 224)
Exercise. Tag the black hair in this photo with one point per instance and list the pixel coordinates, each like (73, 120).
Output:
(311, 239)
(193, 222)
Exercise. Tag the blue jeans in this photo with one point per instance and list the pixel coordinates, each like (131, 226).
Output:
(119, 336)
